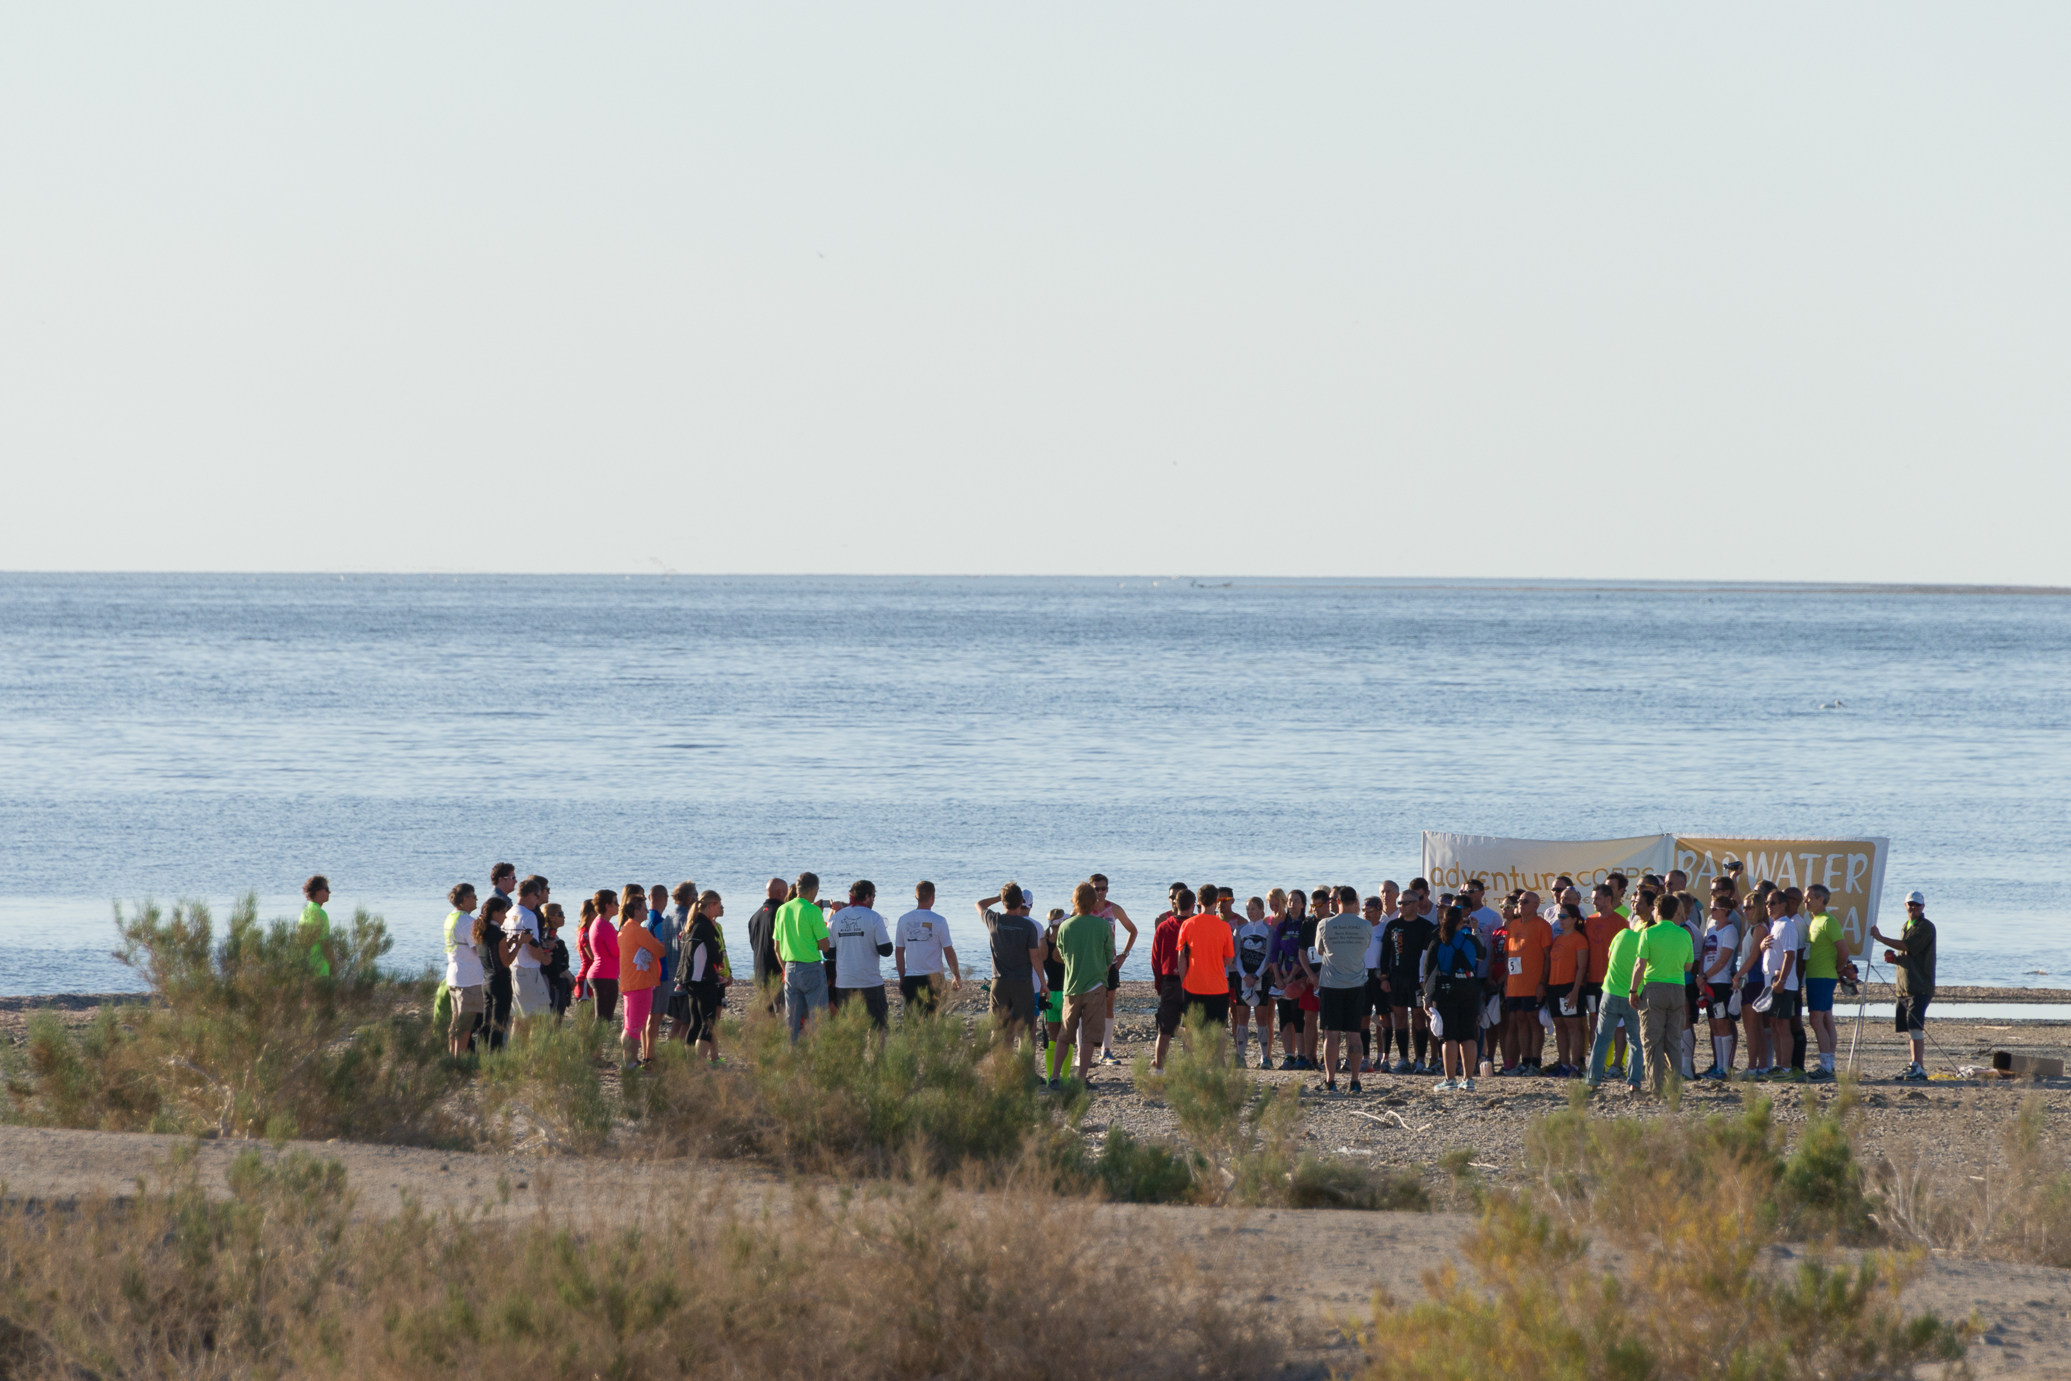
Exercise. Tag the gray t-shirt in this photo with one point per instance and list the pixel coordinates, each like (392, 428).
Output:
(1341, 944)
(1012, 938)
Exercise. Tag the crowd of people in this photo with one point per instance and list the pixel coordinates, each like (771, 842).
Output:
(1619, 985)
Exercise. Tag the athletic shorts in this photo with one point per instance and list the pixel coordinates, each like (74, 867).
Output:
(1290, 1013)
(1053, 1006)
(1171, 1004)
(1592, 998)
(1377, 998)
(1342, 1008)
(1114, 975)
(1910, 1015)
(1520, 1004)
(1215, 1005)
(1720, 1006)
(637, 1005)
(1784, 1006)
(1819, 994)
(1460, 1013)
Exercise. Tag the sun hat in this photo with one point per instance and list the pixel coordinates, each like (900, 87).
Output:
(1761, 1004)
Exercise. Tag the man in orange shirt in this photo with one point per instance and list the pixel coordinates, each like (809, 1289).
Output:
(1207, 954)
(1526, 952)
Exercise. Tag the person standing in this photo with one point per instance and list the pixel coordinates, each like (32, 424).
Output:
(1601, 926)
(1252, 982)
(1165, 972)
(800, 931)
(762, 944)
(1207, 955)
(922, 949)
(701, 969)
(1780, 963)
(1087, 943)
(1053, 1000)
(526, 953)
(1527, 946)
(463, 967)
(1716, 960)
(1912, 954)
(1407, 946)
(1567, 960)
(601, 974)
(315, 924)
(640, 974)
(860, 941)
(1017, 944)
(1454, 993)
(1341, 942)
(1291, 975)
(1658, 973)
(1822, 974)
(1114, 915)
(1617, 1012)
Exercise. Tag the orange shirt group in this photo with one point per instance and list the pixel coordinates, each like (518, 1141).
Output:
(1526, 941)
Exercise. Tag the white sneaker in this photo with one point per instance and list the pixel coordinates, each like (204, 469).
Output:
(1467, 1085)
(1443, 1086)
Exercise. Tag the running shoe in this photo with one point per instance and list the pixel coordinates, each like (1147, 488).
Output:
(1467, 1084)
(1792, 1076)
(1404, 1067)
(1330, 1088)
(1819, 1076)
(1913, 1074)
(1445, 1085)
(1712, 1073)
(1236, 1059)
(1356, 1088)
(1288, 1063)
(1107, 1057)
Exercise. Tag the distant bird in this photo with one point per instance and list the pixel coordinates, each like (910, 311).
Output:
(1833, 704)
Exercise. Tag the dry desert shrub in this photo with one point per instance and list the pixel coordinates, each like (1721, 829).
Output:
(2014, 1205)
(911, 1284)
(1689, 1207)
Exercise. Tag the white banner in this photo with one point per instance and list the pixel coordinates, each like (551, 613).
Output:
(1503, 865)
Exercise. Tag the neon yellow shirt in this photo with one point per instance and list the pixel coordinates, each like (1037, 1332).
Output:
(1823, 947)
(1667, 949)
(314, 915)
(1625, 945)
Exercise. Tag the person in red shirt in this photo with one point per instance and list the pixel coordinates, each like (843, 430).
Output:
(1526, 949)
(1165, 970)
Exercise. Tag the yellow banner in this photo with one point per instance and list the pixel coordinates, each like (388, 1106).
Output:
(1852, 870)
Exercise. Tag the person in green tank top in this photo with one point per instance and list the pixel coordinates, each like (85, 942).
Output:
(316, 924)
(1823, 942)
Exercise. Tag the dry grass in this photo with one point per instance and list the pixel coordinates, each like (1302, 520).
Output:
(910, 1284)
(2009, 1203)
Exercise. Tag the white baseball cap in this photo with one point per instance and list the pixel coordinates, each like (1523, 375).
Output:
(1916, 899)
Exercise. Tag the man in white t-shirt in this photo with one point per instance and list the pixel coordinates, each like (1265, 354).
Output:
(1486, 919)
(923, 948)
(860, 940)
(1782, 962)
(529, 995)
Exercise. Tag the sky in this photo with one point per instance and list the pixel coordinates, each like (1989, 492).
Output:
(1760, 292)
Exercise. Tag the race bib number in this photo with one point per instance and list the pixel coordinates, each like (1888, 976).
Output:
(1516, 964)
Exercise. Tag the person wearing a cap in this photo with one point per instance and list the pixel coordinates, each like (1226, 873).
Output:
(1912, 954)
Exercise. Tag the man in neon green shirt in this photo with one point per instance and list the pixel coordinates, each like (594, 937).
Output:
(1616, 1006)
(1823, 941)
(316, 924)
(799, 930)
(1086, 942)
(1659, 973)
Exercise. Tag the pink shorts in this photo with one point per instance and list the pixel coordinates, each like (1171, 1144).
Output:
(638, 1005)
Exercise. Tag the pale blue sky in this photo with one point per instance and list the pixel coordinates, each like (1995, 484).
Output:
(1754, 292)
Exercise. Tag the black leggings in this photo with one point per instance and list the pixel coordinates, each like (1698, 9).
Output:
(706, 1002)
(606, 990)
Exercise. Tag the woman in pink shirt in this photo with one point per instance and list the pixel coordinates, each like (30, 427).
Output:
(600, 970)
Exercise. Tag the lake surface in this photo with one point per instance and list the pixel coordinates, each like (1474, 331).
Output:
(197, 736)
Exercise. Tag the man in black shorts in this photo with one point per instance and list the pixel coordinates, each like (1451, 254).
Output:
(1341, 942)
(1912, 954)
(1165, 971)
(1404, 946)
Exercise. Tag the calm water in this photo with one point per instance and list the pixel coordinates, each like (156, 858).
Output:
(198, 736)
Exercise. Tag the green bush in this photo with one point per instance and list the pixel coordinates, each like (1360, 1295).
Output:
(242, 1039)
(1137, 1172)
(546, 1078)
(1332, 1183)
